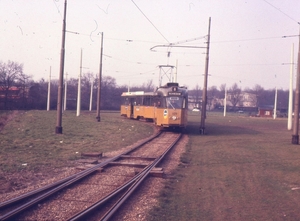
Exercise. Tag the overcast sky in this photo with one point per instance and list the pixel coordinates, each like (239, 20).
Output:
(247, 44)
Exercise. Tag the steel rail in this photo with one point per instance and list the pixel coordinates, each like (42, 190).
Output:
(88, 210)
(131, 185)
(64, 183)
(137, 183)
(34, 192)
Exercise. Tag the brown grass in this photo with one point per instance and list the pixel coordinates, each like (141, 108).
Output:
(242, 169)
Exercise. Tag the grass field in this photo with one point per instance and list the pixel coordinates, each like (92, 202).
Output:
(28, 140)
(243, 168)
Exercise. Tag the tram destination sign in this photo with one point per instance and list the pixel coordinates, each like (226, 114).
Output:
(175, 93)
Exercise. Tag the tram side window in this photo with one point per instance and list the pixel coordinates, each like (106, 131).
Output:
(147, 101)
(161, 102)
(158, 102)
(126, 101)
(138, 101)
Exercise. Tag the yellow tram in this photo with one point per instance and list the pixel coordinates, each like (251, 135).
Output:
(166, 107)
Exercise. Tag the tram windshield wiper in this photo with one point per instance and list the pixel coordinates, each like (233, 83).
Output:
(171, 105)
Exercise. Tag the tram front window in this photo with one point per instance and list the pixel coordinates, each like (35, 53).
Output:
(174, 102)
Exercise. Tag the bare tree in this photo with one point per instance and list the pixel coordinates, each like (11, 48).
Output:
(108, 98)
(72, 93)
(86, 81)
(211, 95)
(258, 91)
(234, 95)
(195, 96)
(149, 86)
(23, 83)
(222, 89)
(10, 75)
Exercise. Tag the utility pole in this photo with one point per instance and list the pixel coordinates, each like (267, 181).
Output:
(49, 89)
(204, 94)
(65, 98)
(58, 128)
(91, 95)
(79, 88)
(295, 135)
(99, 81)
(290, 108)
(225, 102)
(275, 105)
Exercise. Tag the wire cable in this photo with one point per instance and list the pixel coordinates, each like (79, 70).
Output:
(278, 9)
(58, 11)
(150, 21)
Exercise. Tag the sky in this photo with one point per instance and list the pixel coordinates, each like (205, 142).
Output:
(247, 43)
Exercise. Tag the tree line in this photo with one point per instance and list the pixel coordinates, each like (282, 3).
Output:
(260, 97)
(19, 91)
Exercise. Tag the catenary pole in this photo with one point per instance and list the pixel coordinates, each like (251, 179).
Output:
(225, 102)
(290, 108)
(99, 81)
(91, 95)
(49, 89)
(65, 98)
(275, 105)
(204, 94)
(295, 135)
(79, 88)
(58, 128)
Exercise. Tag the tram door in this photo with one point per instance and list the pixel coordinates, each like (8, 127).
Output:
(131, 107)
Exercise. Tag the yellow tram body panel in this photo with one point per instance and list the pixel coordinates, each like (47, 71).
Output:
(171, 117)
(138, 111)
(149, 112)
(125, 111)
(146, 112)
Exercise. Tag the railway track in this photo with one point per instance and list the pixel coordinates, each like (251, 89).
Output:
(102, 188)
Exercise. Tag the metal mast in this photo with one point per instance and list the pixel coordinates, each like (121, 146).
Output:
(91, 95)
(65, 99)
(295, 136)
(58, 129)
(99, 81)
(79, 88)
(290, 108)
(204, 94)
(49, 91)
(275, 105)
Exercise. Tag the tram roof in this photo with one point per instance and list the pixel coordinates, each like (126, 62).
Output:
(137, 93)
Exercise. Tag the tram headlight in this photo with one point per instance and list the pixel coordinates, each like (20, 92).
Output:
(174, 117)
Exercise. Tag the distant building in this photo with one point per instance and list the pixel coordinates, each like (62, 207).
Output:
(11, 93)
(266, 111)
(246, 101)
(194, 102)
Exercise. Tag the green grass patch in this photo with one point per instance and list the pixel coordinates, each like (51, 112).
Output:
(29, 138)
